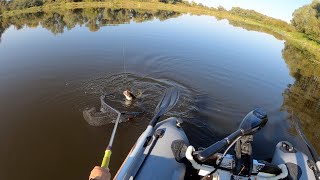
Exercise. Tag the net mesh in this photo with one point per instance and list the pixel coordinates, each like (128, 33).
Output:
(97, 118)
(107, 113)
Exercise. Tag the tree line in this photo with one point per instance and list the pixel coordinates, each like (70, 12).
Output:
(19, 4)
(301, 97)
(251, 14)
(307, 20)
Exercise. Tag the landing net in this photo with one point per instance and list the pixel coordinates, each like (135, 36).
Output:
(107, 114)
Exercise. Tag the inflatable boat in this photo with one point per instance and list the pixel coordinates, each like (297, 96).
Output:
(163, 152)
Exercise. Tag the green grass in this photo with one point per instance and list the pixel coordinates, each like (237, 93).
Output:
(298, 39)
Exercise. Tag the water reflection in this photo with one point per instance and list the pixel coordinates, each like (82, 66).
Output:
(93, 18)
(251, 27)
(303, 97)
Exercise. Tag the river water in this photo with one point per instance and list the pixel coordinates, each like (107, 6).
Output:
(54, 65)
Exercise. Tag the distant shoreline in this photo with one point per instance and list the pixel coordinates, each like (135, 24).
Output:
(294, 37)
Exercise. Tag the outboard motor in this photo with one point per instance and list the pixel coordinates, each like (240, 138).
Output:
(251, 123)
(243, 147)
(243, 156)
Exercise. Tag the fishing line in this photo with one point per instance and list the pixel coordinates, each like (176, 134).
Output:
(124, 65)
(124, 60)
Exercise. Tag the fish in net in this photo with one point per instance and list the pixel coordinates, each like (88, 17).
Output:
(108, 114)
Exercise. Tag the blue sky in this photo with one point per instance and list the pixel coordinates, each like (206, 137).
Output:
(281, 9)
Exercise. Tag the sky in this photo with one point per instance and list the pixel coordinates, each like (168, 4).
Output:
(280, 9)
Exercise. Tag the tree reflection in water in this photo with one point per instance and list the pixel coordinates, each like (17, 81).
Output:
(93, 18)
(302, 97)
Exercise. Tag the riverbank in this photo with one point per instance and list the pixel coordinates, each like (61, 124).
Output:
(287, 33)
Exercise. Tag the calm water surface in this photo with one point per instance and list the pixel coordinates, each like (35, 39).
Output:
(50, 73)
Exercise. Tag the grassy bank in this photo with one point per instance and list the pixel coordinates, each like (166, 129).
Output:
(295, 38)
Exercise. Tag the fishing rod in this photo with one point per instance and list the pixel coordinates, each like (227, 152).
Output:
(316, 160)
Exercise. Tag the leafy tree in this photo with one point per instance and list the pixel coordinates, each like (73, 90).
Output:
(307, 20)
(3, 5)
(170, 1)
(221, 8)
(21, 4)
